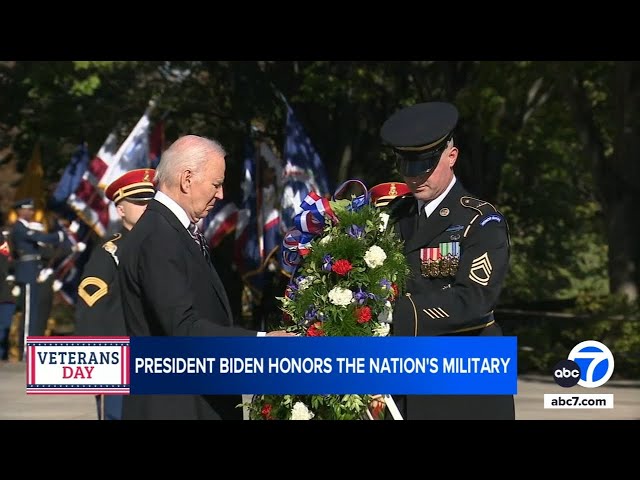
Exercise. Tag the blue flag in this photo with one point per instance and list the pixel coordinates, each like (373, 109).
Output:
(304, 170)
(72, 176)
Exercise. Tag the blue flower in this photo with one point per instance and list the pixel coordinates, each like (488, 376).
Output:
(327, 263)
(386, 284)
(361, 296)
(355, 231)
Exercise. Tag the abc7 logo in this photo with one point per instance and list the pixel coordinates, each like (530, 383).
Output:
(596, 360)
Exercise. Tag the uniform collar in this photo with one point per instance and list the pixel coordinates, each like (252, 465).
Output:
(431, 206)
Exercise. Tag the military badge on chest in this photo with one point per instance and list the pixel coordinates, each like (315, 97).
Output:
(441, 261)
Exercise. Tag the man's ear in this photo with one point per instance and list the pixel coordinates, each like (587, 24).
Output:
(452, 157)
(185, 181)
(120, 209)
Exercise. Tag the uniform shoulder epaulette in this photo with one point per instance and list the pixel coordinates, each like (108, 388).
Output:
(485, 211)
(111, 248)
(481, 206)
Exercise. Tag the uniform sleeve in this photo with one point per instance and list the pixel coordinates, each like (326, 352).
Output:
(98, 295)
(51, 238)
(472, 295)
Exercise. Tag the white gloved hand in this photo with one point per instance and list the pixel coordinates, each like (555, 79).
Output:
(79, 247)
(11, 278)
(15, 291)
(57, 285)
(44, 274)
(36, 226)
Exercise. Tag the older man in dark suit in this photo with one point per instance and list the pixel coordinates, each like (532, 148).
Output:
(168, 283)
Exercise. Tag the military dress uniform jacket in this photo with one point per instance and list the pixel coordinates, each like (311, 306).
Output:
(459, 258)
(170, 289)
(27, 252)
(99, 305)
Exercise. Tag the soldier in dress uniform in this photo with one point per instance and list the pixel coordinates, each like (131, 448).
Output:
(27, 242)
(458, 249)
(99, 307)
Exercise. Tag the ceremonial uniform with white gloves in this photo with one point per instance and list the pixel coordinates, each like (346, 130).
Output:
(458, 250)
(27, 244)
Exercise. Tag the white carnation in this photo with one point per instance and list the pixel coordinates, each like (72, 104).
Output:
(301, 412)
(384, 219)
(374, 257)
(340, 296)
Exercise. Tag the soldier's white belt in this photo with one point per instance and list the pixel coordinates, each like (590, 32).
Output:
(29, 258)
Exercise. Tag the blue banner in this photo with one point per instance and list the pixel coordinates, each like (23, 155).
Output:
(328, 365)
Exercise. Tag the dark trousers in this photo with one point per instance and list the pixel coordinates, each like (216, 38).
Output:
(6, 316)
(29, 307)
(112, 407)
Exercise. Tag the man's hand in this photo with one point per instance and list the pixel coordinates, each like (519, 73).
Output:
(281, 333)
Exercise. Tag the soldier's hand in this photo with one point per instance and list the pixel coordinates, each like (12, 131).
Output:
(79, 247)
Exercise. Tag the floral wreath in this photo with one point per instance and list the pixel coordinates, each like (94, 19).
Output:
(347, 268)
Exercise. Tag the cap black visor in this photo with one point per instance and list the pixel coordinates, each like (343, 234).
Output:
(415, 165)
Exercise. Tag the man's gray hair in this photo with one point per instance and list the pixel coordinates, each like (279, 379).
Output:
(189, 152)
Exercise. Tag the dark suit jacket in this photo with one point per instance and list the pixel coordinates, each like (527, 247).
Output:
(169, 289)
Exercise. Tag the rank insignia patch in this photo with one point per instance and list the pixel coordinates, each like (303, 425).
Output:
(481, 270)
(92, 295)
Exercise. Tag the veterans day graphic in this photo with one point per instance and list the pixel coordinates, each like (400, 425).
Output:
(285, 365)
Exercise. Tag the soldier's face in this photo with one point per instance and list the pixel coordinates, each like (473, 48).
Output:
(131, 211)
(26, 213)
(430, 185)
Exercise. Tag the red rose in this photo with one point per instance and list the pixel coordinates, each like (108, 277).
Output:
(315, 330)
(363, 314)
(266, 411)
(341, 267)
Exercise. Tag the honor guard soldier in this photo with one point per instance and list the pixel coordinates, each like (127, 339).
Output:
(458, 249)
(27, 243)
(99, 308)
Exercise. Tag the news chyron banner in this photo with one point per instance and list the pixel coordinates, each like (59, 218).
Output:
(273, 365)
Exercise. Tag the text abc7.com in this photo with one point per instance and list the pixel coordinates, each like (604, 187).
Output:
(589, 364)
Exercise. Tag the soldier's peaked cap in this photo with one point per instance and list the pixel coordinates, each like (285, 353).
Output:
(133, 185)
(24, 203)
(383, 193)
(419, 133)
